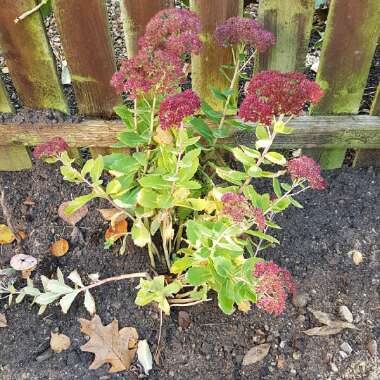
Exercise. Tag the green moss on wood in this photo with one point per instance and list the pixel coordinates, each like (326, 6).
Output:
(29, 57)
(5, 104)
(291, 22)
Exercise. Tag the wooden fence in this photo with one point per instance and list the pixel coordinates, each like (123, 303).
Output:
(353, 29)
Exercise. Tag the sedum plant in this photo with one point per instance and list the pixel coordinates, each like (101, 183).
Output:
(204, 218)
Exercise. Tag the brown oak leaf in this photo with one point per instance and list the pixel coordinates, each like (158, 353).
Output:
(109, 345)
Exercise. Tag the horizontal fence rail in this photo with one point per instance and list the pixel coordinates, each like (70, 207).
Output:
(353, 29)
(356, 132)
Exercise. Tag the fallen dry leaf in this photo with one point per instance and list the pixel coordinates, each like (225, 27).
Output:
(23, 262)
(59, 342)
(331, 327)
(357, 257)
(3, 320)
(75, 217)
(323, 331)
(256, 354)
(118, 231)
(59, 248)
(144, 356)
(6, 234)
(109, 345)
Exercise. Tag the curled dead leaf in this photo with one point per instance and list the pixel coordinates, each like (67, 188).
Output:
(73, 218)
(118, 231)
(110, 345)
(3, 320)
(59, 248)
(23, 262)
(6, 235)
(59, 342)
(112, 215)
(323, 331)
(256, 354)
(22, 235)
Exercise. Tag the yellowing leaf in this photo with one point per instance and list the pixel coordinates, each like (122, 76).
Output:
(6, 235)
(59, 248)
(59, 342)
(256, 354)
(109, 345)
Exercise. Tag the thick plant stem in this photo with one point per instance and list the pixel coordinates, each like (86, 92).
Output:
(150, 134)
(151, 255)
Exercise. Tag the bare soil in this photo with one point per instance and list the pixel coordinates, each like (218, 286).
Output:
(315, 246)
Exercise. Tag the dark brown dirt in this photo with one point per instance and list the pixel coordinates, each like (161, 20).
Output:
(315, 243)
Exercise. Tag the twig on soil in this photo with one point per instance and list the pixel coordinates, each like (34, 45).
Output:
(8, 218)
(30, 11)
(157, 353)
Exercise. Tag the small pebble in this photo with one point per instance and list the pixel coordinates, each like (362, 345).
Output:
(293, 371)
(300, 299)
(346, 314)
(343, 355)
(372, 347)
(346, 348)
(296, 355)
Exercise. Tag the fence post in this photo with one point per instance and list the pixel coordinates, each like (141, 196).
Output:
(206, 66)
(291, 22)
(28, 56)
(366, 158)
(11, 157)
(350, 40)
(136, 15)
(86, 41)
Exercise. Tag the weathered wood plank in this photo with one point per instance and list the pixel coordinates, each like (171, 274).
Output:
(11, 158)
(309, 132)
(87, 45)
(29, 57)
(136, 15)
(5, 104)
(352, 32)
(291, 22)
(366, 158)
(206, 66)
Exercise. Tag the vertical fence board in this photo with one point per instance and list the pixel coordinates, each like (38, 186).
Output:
(206, 66)
(136, 15)
(366, 158)
(291, 22)
(29, 57)
(350, 40)
(86, 42)
(5, 104)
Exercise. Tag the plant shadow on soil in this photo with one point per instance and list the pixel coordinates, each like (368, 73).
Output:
(315, 243)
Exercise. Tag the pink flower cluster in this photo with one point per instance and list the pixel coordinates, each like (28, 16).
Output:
(174, 30)
(272, 93)
(161, 70)
(306, 167)
(246, 31)
(159, 64)
(176, 107)
(274, 285)
(237, 207)
(51, 148)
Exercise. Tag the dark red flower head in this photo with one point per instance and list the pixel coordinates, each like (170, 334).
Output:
(274, 284)
(174, 30)
(176, 107)
(272, 93)
(159, 70)
(53, 147)
(237, 30)
(306, 167)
